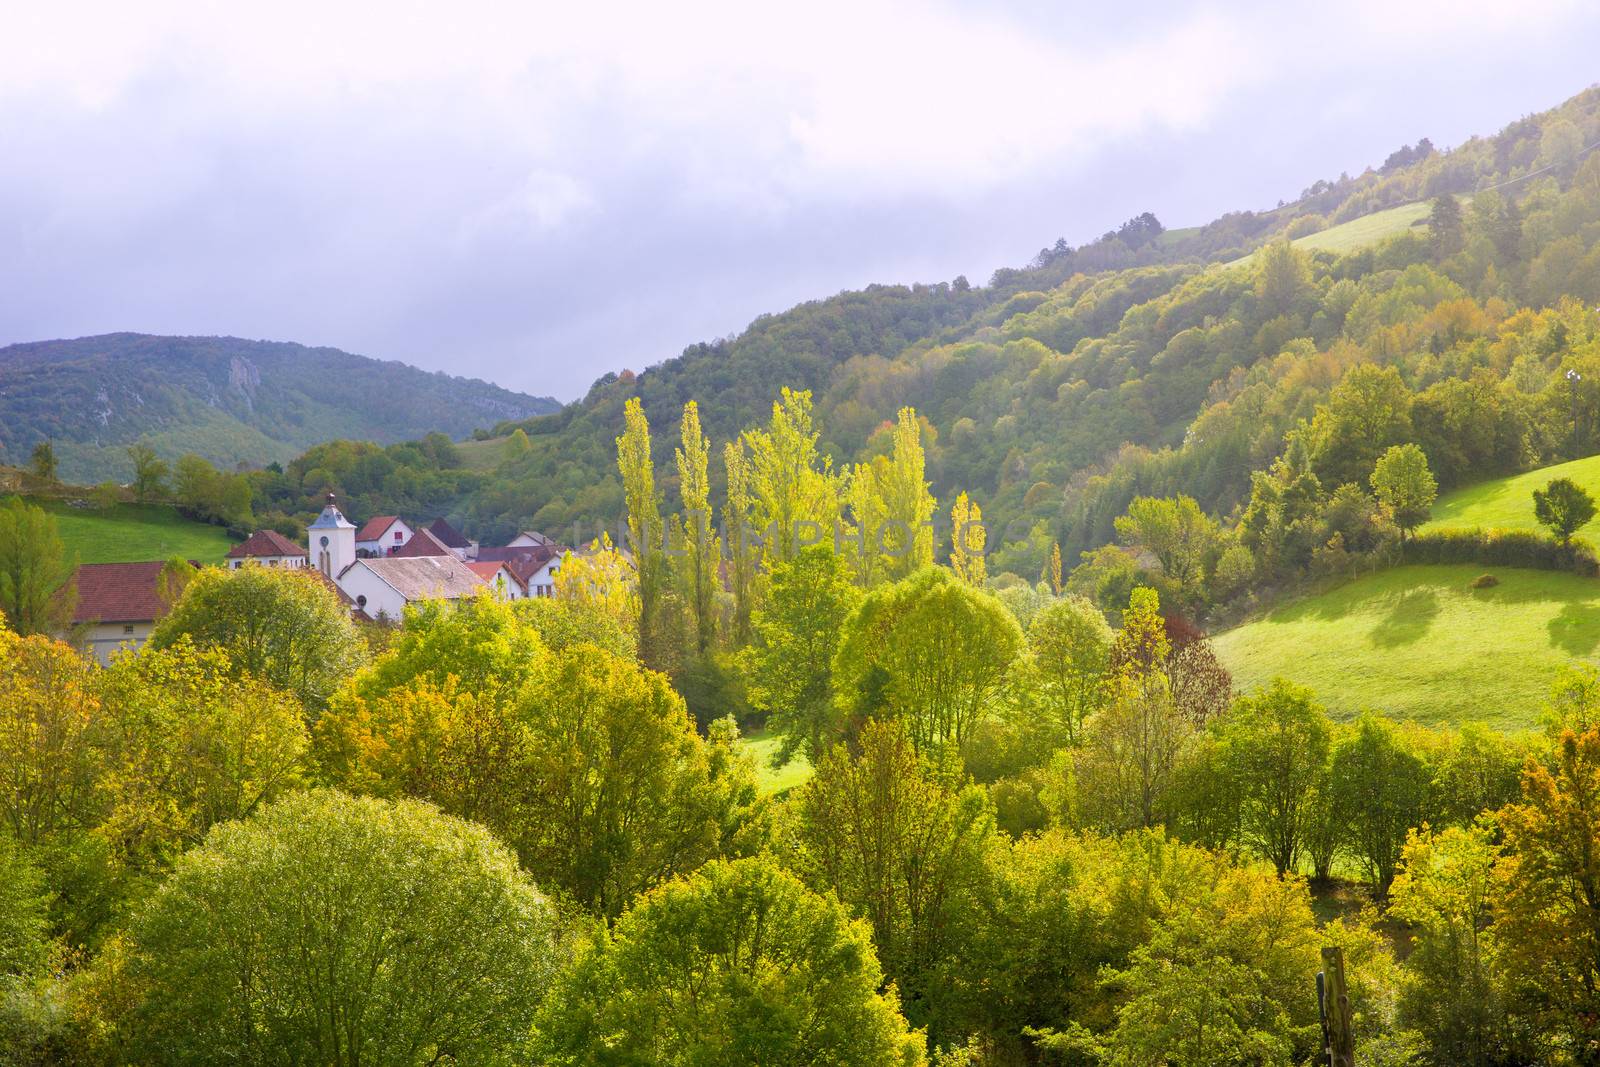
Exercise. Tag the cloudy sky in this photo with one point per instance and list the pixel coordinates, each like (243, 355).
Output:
(537, 193)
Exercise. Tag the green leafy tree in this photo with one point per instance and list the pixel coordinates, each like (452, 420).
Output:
(149, 473)
(1379, 789)
(1069, 661)
(793, 490)
(904, 849)
(36, 590)
(930, 650)
(335, 929)
(737, 524)
(1133, 749)
(1276, 744)
(24, 919)
(620, 792)
(644, 529)
(517, 445)
(1564, 507)
(790, 662)
(49, 706)
(704, 551)
(1404, 485)
(1445, 893)
(1367, 412)
(1283, 277)
(43, 460)
(738, 963)
(1180, 536)
(284, 626)
(1446, 229)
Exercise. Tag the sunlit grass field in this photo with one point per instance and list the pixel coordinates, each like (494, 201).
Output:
(761, 745)
(129, 533)
(1507, 503)
(1419, 642)
(1360, 233)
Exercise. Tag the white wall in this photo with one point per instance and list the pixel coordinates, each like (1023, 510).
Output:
(542, 581)
(269, 561)
(103, 639)
(388, 542)
(359, 581)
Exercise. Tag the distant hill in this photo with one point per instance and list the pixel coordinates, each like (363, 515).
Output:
(227, 399)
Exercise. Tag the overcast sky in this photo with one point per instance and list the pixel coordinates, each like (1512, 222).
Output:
(538, 193)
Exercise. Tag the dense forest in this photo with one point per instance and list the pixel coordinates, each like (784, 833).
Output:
(227, 400)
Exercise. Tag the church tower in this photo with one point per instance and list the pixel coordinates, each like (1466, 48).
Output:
(331, 541)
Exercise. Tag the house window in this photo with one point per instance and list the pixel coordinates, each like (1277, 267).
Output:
(397, 535)
(128, 629)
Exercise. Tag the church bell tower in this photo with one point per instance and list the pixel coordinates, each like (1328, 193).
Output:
(331, 541)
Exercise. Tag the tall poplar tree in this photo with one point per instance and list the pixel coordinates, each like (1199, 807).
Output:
(694, 486)
(644, 522)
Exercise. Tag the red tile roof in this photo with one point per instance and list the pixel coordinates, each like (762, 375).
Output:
(119, 592)
(375, 527)
(488, 569)
(422, 543)
(265, 543)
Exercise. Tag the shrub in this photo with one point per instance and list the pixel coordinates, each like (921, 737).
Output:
(1502, 548)
(1485, 581)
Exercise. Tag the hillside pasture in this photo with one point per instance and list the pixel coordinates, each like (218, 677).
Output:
(1360, 233)
(1420, 642)
(128, 533)
(1507, 503)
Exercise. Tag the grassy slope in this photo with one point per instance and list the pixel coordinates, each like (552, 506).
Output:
(1360, 233)
(1419, 642)
(132, 532)
(1507, 503)
(761, 745)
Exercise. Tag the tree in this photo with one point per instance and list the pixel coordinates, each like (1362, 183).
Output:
(1547, 895)
(738, 963)
(908, 506)
(603, 580)
(1069, 650)
(1283, 276)
(737, 523)
(1133, 748)
(903, 847)
(24, 929)
(790, 660)
(967, 542)
(1446, 893)
(36, 591)
(929, 650)
(619, 791)
(283, 626)
(49, 704)
(149, 473)
(1404, 485)
(1446, 231)
(1276, 744)
(1176, 532)
(1369, 410)
(794, 492)
(1379, 788)
(644, 526)
(336, 929)
(517, 445)
(1564, 507)
(704, 550)
(186, 744)
(43, 460)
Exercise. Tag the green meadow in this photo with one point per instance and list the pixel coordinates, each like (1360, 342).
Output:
(760, 745)
(128, 533)
(1507, 503)
(1420, 642)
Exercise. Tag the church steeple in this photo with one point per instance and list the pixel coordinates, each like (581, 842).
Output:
(331, 540)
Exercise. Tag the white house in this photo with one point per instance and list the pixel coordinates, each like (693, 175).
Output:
(531, 539)
(382, 587)
(500, 578)
(383, 535)
(268, 548)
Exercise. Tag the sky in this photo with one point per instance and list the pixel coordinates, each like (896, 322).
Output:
(536, 194)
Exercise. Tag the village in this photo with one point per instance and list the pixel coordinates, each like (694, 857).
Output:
(377, 569)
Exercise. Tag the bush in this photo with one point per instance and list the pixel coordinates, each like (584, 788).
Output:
(1485, 581)
(1502, 548)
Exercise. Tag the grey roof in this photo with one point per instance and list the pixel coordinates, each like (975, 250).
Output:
(425, 577)
(331, 518)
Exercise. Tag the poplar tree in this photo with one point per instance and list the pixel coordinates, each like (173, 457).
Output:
(736, 527)
(790, 484)
(644, 520)
(967, 542)
(694, 486)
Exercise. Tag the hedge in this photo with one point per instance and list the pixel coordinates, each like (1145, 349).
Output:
(1502, 548)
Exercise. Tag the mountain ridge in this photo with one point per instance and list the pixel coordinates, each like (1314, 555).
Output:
(232, 400)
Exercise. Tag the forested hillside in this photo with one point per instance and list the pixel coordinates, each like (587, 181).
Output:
(1149, 361)
(223, 398)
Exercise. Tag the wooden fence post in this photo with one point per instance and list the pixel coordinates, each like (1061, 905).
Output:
(1338, 1032)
